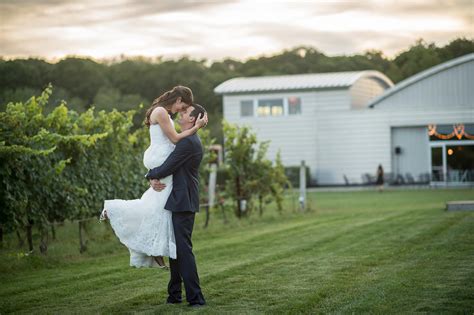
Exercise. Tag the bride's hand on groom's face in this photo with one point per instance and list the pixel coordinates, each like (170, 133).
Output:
(157, 185)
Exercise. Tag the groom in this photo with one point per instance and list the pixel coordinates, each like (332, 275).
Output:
(183, 202)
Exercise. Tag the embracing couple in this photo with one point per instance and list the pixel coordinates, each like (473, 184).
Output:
(161, 222)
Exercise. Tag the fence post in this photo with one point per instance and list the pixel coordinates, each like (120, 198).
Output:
(302, 198)
(211, 191)
(82, 244)
(212, 185)
(29, 235)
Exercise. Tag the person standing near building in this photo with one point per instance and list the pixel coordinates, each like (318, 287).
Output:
(379, 175)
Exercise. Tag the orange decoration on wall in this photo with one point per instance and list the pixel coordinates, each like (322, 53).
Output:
(459, 131)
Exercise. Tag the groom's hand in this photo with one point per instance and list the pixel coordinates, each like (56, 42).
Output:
(157, 185)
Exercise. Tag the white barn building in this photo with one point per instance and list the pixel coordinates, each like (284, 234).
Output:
(344, 124)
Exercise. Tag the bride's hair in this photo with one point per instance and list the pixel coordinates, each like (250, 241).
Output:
(168, 98)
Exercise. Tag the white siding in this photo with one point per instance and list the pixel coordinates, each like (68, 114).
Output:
(355, 142)
(338, 142)
(425, 117)
(331, 100)
(351, 143)
(365, 89)
(414, 157)
(449, 89)
(294, 135)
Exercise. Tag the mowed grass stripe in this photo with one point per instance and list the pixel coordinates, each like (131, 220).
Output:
(243, 271)
(124, 277)
(105, 278)
(309, 266)
(360, 257)
(428, 276)
(105, 269)
(376, 267)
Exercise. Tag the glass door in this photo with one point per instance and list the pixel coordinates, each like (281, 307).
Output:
(437, 167)
(452, 162)
(460, 163)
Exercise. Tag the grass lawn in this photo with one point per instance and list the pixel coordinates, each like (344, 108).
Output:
(353, 252)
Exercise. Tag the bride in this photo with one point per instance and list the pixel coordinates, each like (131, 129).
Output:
(143, 225)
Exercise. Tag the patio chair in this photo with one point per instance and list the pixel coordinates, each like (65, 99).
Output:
(409, 178)
(346, 180)
(424, 178)
(368, 179)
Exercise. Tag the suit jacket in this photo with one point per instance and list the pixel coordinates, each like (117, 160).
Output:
(183, 163)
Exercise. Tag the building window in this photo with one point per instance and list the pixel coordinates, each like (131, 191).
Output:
(246, 108)
(270, 107)
(294, 105)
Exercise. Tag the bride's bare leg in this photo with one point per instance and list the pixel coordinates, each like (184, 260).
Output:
(160, 261)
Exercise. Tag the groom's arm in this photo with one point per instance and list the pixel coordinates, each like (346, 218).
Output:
(181, 153)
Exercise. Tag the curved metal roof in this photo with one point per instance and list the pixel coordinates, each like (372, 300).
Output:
(299, 82)
(420, 76)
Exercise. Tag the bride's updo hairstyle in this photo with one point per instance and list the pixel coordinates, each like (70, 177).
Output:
(167, 100)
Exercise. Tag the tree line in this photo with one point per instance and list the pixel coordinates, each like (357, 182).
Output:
(124, 84)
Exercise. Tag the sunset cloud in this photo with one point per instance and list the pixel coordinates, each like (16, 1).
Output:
(219, 29)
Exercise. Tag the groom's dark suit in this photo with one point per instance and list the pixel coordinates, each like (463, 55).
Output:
(183, 202)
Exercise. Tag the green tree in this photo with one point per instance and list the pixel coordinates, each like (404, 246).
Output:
(419, 57)
(456, 48)
(32, 162)
(239, 152)
(63, 165)
(81, 77)
(251, 175)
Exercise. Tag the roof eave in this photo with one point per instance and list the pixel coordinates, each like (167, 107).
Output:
(267, 91)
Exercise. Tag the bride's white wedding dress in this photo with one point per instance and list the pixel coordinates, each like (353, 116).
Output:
(143, 225)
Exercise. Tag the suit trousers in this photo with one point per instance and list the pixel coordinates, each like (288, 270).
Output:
(183, 268)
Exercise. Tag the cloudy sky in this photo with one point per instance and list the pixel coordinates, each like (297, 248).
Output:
(215, 29)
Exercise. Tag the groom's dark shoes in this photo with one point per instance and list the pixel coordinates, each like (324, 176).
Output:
(197, 305)
(171, 300)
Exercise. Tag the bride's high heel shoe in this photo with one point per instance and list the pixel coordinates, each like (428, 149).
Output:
(103, 216)
(161, 262)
